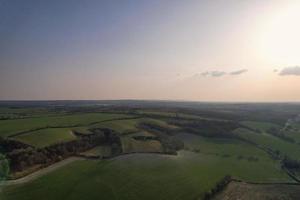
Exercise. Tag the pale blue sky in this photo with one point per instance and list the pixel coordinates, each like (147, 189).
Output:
(126, 49)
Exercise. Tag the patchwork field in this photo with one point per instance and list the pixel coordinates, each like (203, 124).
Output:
(11, 127)
(144, 154)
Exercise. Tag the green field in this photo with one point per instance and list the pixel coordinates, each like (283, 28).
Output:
(295, 135)
(186, 176)
(221, 147)
(82, 129)
(50, 136)
(10, 127)
(141, 176)
(293, 131)
(269, 141)
(144, 172)
(120, 126)
(21, 113)
(46, 137)
(156, 113)
(130, 126)
(131, 145)
(101, 151)
(262, 126)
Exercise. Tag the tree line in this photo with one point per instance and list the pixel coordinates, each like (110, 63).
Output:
(22, 157)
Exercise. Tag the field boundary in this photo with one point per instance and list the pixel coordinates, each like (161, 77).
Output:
(74, 126)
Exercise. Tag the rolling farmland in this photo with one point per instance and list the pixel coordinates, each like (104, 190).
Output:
(138, 155)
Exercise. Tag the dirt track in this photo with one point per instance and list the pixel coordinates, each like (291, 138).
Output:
(40, 172)
(246, 191)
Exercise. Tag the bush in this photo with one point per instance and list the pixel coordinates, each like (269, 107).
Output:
(218, 187)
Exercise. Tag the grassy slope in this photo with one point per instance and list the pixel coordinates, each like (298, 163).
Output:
(46, 137)
(131, 177)
(9, 127)
(98, 151)
(18, 113)
(230, 147)
(175, 114)
(121, 126)
(295, 132)
(130, 145)
(263, 126)
(234, 152)
(128, 126)
(269, 141)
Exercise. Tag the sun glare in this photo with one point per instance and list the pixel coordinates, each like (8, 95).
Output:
(281, 36)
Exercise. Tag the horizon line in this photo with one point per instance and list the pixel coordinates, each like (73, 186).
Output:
(153, 100)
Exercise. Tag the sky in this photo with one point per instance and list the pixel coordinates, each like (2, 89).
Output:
(197, 50)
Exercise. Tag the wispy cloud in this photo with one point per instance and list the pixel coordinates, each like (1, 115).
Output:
(214, 73)
(290, 71)
(205, 73)
(217, 73)
(238, 72)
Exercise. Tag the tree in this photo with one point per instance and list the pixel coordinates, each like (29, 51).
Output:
(4, 167)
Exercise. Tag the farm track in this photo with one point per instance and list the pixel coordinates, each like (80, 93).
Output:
(55, 166)
(41, 172)
(237, 189)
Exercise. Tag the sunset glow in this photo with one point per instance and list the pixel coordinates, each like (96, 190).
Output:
(179, 50)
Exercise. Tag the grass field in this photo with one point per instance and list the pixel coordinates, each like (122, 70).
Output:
(175, 114)
(46, 137)
(294, 135)
(131, 145)
(120, 126)
(142, 176)
(10, 127)
(82, 130)
(221, 147)
(262, 126)
(194, 171)
(271, 142)
(231, 149)
(294, 131)
(49, 136)
(124, 126)
(101, 151)
(19, 113)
